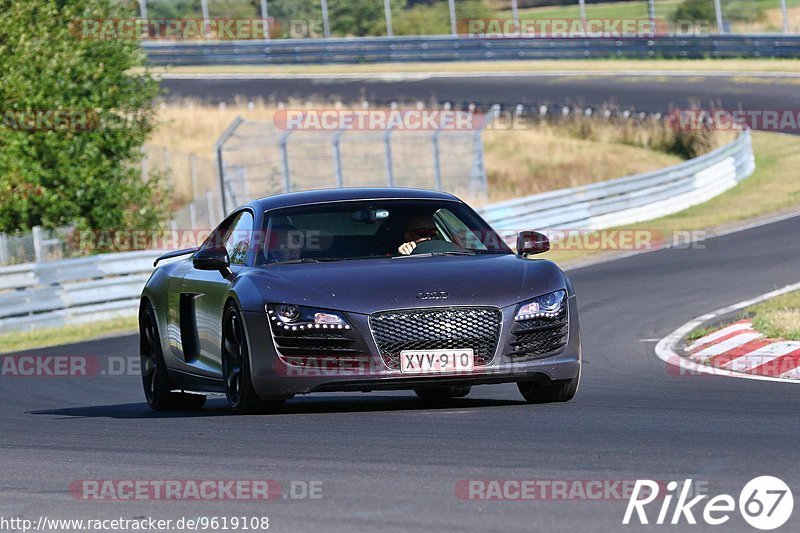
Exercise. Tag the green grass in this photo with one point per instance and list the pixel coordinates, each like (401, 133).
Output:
(637, 9)
(699, 333)
(40, 338)
(778, 318)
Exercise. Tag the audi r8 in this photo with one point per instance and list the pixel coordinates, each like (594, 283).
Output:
(356, 290)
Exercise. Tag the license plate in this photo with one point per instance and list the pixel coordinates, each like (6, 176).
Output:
(436, 361)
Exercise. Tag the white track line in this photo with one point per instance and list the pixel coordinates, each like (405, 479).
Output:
(666, 348)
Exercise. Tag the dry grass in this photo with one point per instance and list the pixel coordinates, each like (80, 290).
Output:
(526, 162)
(773, 188)
(40, 338)
(519, 162)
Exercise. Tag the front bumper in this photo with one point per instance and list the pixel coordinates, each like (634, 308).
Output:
(273, 377)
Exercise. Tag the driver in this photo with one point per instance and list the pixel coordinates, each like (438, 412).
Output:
(420, 228)
(282, 245)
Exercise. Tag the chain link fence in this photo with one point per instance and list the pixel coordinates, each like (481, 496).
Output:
(259, 159)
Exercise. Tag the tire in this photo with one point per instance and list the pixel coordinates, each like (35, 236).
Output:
(155, 380)
(534, 392)
(443, 393)
(242, 398)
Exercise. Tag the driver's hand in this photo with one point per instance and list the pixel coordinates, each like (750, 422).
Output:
(407, 248)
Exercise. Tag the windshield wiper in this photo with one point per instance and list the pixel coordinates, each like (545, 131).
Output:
(438, 254)
(327, 259)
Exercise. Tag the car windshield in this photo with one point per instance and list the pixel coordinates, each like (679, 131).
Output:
(375, 229)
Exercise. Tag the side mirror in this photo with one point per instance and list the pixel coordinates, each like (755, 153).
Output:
(212, 258)
(532, 242)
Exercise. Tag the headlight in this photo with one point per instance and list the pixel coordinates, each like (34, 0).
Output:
(548, 305)
(295, 317)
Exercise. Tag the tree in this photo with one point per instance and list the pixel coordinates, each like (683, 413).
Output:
(74, 118)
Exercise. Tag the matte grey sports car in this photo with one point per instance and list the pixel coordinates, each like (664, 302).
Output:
(356, 290)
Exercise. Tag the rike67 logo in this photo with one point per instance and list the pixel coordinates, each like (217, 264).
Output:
(765, 503)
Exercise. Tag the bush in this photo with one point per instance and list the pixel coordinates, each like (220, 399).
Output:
(82, 171)
(738, 11)
(695, 10)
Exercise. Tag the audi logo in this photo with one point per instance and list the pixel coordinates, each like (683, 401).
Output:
(440, 295)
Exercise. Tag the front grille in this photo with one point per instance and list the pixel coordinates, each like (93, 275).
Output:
(437, 329)
(539, 337)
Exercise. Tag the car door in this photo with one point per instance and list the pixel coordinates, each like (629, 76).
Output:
(202, 299)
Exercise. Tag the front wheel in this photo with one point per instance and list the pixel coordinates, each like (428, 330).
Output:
(157, 387)
(242, 398)
(534, 392)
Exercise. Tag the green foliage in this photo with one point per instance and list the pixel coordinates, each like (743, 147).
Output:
(694, 10)
(85, 171)
(355, 18)
(703, 10)
(434, 19)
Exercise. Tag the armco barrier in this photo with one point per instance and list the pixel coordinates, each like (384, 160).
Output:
(72, 291)
(448, 48)
(631, 199)
(76, 291)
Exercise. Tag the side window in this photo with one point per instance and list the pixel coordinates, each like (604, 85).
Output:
(237, 241)
(457, 230)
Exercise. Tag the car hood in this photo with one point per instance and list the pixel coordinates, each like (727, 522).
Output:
(368, 286)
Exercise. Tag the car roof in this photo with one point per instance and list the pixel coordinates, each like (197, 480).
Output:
(346, 193)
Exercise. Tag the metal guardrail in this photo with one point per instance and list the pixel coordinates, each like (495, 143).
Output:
(448, 48)
(630, 199)
(103, 286)
(72, 291)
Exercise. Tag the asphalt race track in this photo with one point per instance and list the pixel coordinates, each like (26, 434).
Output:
(390, 462)
(644, 93)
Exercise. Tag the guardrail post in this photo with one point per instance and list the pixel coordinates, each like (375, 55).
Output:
(326, 25)
(337, 158)
(206, 18)
(287, 178)
(437, 167)
(4, 259)
(478, 181)
(210, 208)
(265, 18)
(387, 12)
(36, 232)
(785, 16)
(515, 14)
(218, 147)
(387, 150)
(453, 26)
(193, 174)
(192, 215)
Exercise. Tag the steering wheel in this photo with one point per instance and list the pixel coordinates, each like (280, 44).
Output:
(435, 245)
